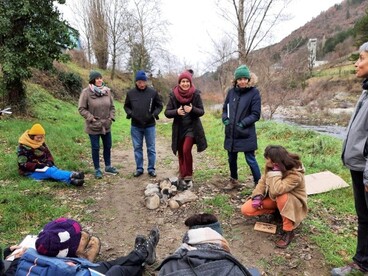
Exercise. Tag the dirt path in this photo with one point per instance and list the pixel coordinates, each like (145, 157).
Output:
(117, 214)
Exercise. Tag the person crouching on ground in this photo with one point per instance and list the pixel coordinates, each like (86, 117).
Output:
(36, 161)
(281, 187)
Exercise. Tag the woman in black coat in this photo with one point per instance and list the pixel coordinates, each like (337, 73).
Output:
(241, 110)
(186, 107)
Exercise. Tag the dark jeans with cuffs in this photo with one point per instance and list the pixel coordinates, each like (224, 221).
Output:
(361, 208)
(251, 160)
(95, 144)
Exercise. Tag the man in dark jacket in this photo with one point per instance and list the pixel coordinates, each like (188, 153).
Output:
(204, 252)
(240, 112)
(143, 105)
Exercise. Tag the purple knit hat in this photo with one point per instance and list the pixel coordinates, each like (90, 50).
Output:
(59, 238)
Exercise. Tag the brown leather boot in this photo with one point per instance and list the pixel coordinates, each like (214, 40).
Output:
(286, 238)
(233, 184)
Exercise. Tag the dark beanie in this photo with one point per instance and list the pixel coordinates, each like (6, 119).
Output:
(140, 75)
(185, 75)
(242, 72)
(94, 75)
(203, 220)
(59, 238)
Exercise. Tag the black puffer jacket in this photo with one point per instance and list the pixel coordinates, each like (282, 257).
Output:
(242, 105)
(197, 111)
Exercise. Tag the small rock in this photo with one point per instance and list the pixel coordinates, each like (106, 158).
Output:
(173, 204)
(152, 202)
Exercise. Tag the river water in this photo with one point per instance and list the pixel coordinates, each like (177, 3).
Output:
(334, 130)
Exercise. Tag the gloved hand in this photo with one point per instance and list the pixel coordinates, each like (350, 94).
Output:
(226, 121)
(240, 125)
(257, 202)
(49, 163)
(40, 165)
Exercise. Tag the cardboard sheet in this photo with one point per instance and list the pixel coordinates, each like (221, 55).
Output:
(321, 182)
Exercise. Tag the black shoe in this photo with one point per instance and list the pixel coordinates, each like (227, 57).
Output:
(137, 173)
(154, 235)
(78, 175)
(77, 182)
(151, 246)
(141, 245)
(152, 173)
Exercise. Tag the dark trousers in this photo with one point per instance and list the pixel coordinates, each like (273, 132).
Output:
(251, 160)
(185, 157)
(130, 265)
(95, 144)
(361, 208)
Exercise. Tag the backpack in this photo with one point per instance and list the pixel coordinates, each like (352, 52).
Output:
(34, 264)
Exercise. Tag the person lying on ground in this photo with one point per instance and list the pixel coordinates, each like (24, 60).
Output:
(64, 237)
(204, 251)
(282, 188)
(36, 161)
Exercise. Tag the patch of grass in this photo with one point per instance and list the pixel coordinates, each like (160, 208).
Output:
(221, 203)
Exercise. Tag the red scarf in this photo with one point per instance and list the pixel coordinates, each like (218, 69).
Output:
(184, 96)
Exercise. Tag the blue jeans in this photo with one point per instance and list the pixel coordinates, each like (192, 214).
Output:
(251, 160)
(361, 208)
(95, 144)
(52, 173)
(149, 134)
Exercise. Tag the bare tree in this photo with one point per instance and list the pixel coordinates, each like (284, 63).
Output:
(147, 36)
(253, 21)
(118, 20)
(222, 58)
(99, 27)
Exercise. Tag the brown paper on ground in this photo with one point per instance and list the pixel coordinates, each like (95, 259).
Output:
(321, 182)
(265, 227)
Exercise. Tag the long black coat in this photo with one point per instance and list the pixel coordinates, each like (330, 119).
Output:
(242, 105)
(197, 111)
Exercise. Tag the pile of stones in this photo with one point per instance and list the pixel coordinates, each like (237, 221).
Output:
(168, 192)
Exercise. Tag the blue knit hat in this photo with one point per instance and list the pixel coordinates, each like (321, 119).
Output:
(140, 75)
(59, 238)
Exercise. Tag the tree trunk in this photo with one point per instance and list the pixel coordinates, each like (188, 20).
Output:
(16, 94)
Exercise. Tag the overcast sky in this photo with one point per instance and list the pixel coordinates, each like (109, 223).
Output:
(194, 22)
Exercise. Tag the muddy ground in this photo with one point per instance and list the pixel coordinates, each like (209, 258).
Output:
(116, 213)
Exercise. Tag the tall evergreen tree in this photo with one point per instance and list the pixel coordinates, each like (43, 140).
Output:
(361, 30)
(31, 35)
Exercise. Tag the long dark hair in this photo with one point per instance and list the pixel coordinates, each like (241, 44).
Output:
(285, 160)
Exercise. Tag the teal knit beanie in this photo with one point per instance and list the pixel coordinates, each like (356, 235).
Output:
(94, 75)
(242, 72)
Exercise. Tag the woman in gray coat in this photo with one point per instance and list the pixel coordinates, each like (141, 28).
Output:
(96, 105)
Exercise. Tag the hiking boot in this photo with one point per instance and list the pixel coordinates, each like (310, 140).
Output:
(350, 269)
(152, 174)
(151, 246)
(78, 175)
(286, 238)
(98, 174)
(233, 184)
(93, 249)
(76, 182)
(111, 170)
(154, 236)
(137, 173)
(189, 184)
(140, 245)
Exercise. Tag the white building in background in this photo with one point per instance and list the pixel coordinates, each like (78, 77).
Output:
(312, 48)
